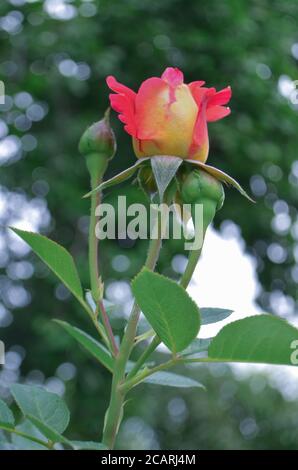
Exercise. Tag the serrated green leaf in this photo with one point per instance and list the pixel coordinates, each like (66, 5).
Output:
(213, 315)
(164, 168)
(170, 379)
(117, 179)
(41, 405)
(196, 346)
(221, 176)
(88, 445)
(95, 348)
(56, 258)
(169, 309)
(24, 443)
(259, 339)
(6, 415)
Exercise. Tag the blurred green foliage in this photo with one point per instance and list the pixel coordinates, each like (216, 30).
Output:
(55, 55)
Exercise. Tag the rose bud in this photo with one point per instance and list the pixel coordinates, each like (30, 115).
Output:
(167, 116)
(98, 145)
(201, 188)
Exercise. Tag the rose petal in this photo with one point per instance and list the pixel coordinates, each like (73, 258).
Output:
(217, 112)
(123, 103)
(221, 97)
(173, 76)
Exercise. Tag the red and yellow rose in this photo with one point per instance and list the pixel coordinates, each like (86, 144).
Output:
(167, 116)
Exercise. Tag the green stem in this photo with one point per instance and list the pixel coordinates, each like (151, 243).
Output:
(119, 386)
(142, 359)
(128, 384)
(115, 410)
(93, 317)
(108, 328)
(93, 241)
(148, 334)
(27, 436)
(136, 379)
(96, 173)
(210, 208)
(193, 259)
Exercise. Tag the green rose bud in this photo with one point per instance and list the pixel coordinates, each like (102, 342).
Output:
(201, 188)
(199, 185)
(99, 138)
(98, 146)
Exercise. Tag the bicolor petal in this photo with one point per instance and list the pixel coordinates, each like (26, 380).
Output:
(167, 116)
(123, 102)
(217, 112)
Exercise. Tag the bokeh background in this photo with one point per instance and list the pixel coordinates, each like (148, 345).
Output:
(54, 57)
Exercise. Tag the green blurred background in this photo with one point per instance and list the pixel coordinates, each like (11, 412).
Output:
(55, 55)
